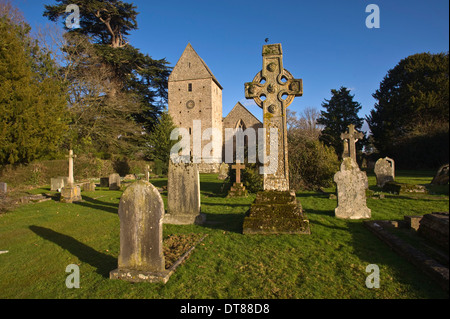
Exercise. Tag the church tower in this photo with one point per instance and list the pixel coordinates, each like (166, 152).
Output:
(195, 94)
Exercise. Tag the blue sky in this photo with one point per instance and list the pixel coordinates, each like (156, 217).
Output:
(326, 43)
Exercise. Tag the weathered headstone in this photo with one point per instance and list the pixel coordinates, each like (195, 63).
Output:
(275, 210)
(238, 189)
(141, 212)
(88, 187)
(114, 181)
(351, 191)
(384, 171)
(70, 193)
(57, 183)
(442, 176)
(183, 194)
(3, 188)
(350, 138)
(223, 171)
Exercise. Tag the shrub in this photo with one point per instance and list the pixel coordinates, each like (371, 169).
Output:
(311, 164)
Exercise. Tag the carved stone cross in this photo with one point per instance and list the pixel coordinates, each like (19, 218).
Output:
(350, 140)
(273, 89)
(238, 166)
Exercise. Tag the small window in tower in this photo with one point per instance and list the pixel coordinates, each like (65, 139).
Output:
(189, 130)
(190, 87)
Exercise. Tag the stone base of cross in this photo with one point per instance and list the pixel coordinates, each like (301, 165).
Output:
(70, 194)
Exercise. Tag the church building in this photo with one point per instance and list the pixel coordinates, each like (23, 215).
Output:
(196, 94)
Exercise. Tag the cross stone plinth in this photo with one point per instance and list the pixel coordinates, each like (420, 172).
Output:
(273, 89)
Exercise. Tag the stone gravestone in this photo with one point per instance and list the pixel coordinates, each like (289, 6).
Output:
(238, 189)
(3, 188)
(114, 182)
(141, 212)
(442, 176)
(385, 171)
(88, 187)
(70, 192)
(223, 171)
(183, 194)
(56, 183)
(350, 138)
(275, 210)
(351, 191)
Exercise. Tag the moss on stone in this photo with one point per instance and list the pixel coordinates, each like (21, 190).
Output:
(275, 212)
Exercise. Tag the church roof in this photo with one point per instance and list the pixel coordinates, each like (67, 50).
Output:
(240, 106)
(200, 68)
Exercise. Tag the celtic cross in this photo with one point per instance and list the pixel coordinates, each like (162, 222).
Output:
(273, 89)
(350, 140)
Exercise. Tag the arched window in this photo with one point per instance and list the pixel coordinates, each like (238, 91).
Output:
(240, 124)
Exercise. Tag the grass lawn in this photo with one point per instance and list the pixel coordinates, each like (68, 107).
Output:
(44, 238)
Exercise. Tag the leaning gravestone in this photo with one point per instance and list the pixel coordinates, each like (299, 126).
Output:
(384, 171)
(114, 181)
(442, 176)
(141, 212)
(351, 191)
(183, 194)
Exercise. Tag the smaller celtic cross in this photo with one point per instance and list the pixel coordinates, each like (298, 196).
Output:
(350, 140)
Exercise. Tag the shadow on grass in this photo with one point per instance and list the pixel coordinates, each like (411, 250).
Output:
(158, 183)
(102, 262)
(98, 204)
(227, 204)
(213, 189)
(227, 222)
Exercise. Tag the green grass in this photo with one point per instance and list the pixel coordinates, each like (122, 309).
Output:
(44, 238)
